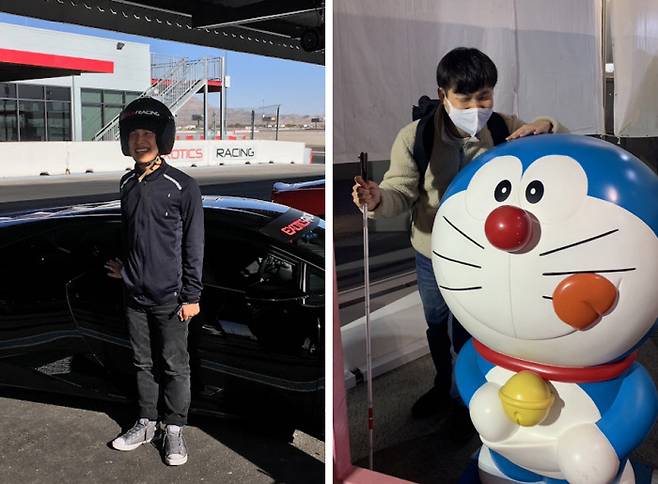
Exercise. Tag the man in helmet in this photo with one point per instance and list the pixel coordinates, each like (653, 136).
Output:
(162, 225)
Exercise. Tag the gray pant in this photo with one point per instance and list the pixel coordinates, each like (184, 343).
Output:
(159, 342)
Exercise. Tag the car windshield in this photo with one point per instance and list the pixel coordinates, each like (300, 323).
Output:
(300, 229)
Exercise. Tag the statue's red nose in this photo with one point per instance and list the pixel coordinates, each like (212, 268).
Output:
(509, 228)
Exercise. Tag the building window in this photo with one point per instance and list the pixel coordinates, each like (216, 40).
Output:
(8, 120)
(113, 97)
(54, 93)
(7, 90)
(92, 121)
(58, 115)
(32, 121)
(29, 91)
(100, 107)
(131, 96)
(91, 96)
(29, 112)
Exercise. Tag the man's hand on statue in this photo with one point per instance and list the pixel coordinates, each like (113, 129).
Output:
(366, 192)
(538, 127)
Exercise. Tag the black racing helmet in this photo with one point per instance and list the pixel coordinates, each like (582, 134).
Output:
(151, 114)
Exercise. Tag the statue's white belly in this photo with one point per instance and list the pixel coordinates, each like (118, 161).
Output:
(535, 448)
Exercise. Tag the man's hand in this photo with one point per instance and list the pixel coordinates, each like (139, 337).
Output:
(114, 267)
(188, 311)
(366, 192)
(538, 127)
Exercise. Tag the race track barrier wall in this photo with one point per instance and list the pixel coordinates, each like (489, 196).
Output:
(69, 157)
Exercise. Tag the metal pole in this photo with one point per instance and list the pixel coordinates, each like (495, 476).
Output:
(276, 137)
(45, 122)
(222, 89)
(604, 60)
(224, 99)
(76, 111)
(366, 276)
(366, 286)
(253, 118)
(205, 109)
(205, 98)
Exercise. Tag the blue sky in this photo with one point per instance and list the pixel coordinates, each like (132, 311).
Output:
(255, 80)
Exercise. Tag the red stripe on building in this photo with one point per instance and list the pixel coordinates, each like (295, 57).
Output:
(9, 56)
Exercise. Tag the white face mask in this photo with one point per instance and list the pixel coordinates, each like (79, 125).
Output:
(470, 120)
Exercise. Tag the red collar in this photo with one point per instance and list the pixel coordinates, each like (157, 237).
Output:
(589, 374)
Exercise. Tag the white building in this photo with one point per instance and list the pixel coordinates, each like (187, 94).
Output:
(58, 86)
(69, 89)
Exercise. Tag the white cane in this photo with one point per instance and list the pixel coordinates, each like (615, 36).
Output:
(363, 158)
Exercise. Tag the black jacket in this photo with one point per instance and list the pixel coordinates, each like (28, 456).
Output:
(162, 225)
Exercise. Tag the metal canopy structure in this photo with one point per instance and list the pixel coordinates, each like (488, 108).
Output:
(288, 29)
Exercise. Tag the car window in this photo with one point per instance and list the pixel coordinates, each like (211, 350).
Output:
(232, 260)
(299, 229)
(34, 273)
(42, 263)
(278, 271)
(93, 242)
(314, 281)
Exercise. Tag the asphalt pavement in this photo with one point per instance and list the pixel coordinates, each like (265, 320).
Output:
(51, 438)
(253, 181)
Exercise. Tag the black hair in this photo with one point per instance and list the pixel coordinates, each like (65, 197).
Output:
(466, 70)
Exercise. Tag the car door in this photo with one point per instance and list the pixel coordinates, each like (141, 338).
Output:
(38, 330)
(254, 336)
(96, 300)
(35, 321)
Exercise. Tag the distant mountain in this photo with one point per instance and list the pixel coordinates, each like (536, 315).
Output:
(192, 114)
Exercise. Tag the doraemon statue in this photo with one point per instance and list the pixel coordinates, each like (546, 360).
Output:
(546, 251)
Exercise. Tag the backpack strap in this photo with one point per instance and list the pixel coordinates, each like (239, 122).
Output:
(497, 128)
(425, 107)
(423, 144)
(424, 139)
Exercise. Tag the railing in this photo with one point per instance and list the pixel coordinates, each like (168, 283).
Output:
(177, 80)
(161, 67)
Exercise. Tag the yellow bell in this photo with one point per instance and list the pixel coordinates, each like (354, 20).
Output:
(526, 398)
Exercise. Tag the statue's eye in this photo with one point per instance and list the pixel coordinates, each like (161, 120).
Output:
(502, 191)
(534, 191)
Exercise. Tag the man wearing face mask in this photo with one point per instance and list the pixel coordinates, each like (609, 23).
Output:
(425, 157)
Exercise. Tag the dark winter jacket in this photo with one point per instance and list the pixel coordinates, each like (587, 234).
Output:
(162, 225)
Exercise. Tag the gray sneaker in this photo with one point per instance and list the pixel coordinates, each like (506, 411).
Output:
(140, 433)
(174, 446)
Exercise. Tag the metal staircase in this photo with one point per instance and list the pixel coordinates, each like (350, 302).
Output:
(176, 81)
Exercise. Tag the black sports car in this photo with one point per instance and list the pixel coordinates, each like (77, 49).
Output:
(256, 346)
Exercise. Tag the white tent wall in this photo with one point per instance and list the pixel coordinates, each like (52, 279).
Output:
(634, 31)
(548, 55)
(560, 62)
